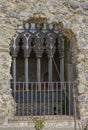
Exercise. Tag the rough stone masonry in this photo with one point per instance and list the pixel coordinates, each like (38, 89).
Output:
(71, 17)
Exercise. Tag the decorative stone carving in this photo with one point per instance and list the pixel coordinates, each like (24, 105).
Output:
(27, 38)
(38, 47)
(14, 48)
(50, 40)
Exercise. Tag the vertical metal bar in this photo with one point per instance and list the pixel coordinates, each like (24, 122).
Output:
(32, 99)
(40, 98)
(57, 98)
(48, 97)
(23, 101)
(27, 100)
(61, 98)
(14, 83)
(65, 98)
(69, 99)
(74, 96)
(26, 72)
(52, 85)
(19, 99)
(36, 109)
(44, 97)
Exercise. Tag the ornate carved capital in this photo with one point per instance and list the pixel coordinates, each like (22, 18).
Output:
(38, 47)
(50, 40)
(14, 48)
(27, 38)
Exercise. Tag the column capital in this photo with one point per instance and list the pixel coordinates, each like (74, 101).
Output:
(38, 47)
(50, 40)
(14, 47)
(27, 39)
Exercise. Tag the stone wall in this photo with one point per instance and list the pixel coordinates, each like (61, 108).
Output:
(71, 17)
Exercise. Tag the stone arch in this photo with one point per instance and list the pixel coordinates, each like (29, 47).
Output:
(71, 35)
(24, 33)
(71, 18)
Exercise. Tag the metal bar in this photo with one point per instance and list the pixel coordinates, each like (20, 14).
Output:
(23, 101)
(74, 96)
(69, 100)
(27, 100)
(52, 85)
(36, 101)
(26, 72)
(40, 98)
(18, 99)
(65, 99)
(48, 97)
(32, 99)
(57, 99)
(61, 98)
(44, 97)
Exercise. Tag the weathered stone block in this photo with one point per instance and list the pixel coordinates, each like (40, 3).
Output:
(14, 14)
(74, 5)
(86, 76)
(85, 5)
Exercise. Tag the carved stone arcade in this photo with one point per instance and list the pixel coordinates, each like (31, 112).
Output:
(44, 37)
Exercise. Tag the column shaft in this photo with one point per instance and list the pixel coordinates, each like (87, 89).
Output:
(38, 69)
(50, 69)
(14, 73)
(62, 69)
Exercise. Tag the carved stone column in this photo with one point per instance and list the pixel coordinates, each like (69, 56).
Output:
(38, 48)
(14, 48)
(27, 38)
(61, 52)
(50, 39)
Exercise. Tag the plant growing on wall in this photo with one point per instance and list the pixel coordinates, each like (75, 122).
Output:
(39, 124)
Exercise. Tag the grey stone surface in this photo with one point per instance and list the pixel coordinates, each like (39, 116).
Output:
(85, 5)
(31, 128)
(14, 14)
(70, 21)
(74, 4)
(86, 75)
